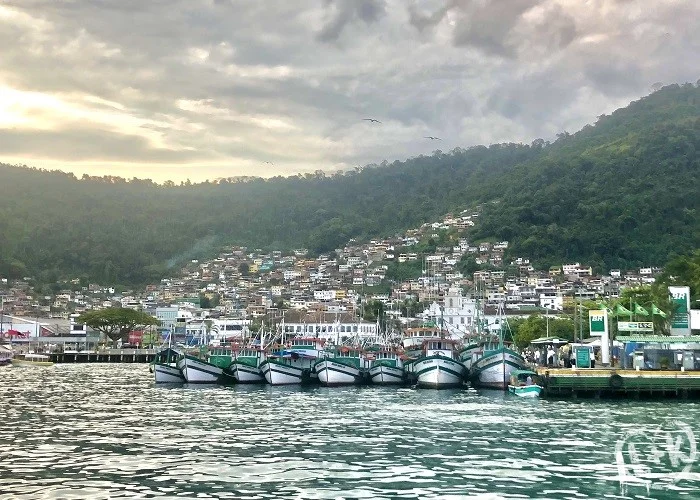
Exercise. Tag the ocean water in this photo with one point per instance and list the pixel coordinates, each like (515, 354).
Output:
(107, 431)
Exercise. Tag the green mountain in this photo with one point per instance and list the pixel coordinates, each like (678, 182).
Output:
(617, 194)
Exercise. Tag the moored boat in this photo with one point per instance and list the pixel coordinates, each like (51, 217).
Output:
(6, 355)
(31, 359)
(245, 367)
(525, 383)
(439, 366)
(292, 365)
(387, 367)
(164, 367)
(198, 371)
(342, 366)
(493, 369)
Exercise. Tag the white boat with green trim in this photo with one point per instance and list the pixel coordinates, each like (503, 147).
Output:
(292, 365)
(197, 371)
(439, 366)
(245, 367)
(164, 367)
(493, 368)
(386, 367)
(342, 366)
(525, 383)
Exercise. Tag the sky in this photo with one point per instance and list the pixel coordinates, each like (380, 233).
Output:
(207, 89)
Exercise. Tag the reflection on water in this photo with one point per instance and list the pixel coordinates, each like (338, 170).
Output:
(106, 431)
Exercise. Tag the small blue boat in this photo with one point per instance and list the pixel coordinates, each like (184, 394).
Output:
(525, 383)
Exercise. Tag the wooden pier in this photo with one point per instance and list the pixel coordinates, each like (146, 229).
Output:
(616, 383)
(105, 356)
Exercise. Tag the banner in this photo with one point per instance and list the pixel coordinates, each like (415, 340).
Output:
(680, 320)
(598, 322)
(635, 326)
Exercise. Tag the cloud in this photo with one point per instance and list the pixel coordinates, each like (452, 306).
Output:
(216, 88)
(340, 13)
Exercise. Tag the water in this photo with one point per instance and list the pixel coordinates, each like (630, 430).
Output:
(106, 431)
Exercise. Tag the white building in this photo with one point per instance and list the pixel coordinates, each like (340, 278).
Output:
(458, 314)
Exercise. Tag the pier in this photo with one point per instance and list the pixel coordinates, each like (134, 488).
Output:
(104, 356)
(617, 383)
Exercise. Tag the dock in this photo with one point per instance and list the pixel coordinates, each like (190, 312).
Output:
(104, 356)
(618, 383)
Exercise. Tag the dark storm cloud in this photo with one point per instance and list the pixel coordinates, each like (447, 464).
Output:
(231, 83)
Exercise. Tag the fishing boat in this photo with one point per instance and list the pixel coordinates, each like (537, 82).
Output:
(493, 360)
(245, 366)
(525, 383)
(197, 370)
(292, 364)
(164, 367)
(31, 359)
(439, 367)
(386, 367)
(342, 366)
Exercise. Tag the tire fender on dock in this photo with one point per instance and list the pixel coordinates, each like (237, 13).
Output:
(616, 381)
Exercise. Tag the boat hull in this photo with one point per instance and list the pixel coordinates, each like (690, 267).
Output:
(438, 372)
(246, 374)
(22, 362)
(197, 371)
(332, 373)
(526, 391)
(385, 375)
(281, 374)
(493, 370)
(167, 374)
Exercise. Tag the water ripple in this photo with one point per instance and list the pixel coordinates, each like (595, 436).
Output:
(106, 431)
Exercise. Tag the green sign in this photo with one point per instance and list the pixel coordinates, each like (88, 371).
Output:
(583, 358)
(680, 321)
(597, 320)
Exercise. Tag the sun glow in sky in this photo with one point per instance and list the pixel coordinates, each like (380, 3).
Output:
(203, 89)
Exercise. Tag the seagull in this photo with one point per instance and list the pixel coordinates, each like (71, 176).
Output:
(432, 138)
(371, 120)
(269, 163)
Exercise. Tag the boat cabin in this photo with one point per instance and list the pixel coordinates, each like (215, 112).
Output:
(305, 343)
(440, 347)
(414, 337)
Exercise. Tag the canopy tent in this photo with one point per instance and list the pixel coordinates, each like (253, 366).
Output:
(549, 340)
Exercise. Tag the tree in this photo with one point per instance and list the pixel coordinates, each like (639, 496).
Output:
(244, 269)
(116, 322)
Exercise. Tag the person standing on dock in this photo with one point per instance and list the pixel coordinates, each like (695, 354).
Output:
(550, 356)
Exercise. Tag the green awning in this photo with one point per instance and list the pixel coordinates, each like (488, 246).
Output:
(660, 339)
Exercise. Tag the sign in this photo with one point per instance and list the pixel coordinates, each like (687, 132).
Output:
(635, 326)
(598, 322)
(583, 358)
(680, 321)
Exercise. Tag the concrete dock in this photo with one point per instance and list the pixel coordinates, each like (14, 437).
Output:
(617, 383)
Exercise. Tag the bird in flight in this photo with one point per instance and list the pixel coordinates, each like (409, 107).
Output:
(432, 138)
(371, 120)
(269, 162)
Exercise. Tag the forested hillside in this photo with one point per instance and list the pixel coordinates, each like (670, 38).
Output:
(622, 192)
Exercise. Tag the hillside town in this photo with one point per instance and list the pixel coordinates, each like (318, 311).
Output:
(243, 290)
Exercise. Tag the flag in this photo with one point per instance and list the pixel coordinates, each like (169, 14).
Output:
(657, 312)
(621, 310)
(640, 310)
(603, 306)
